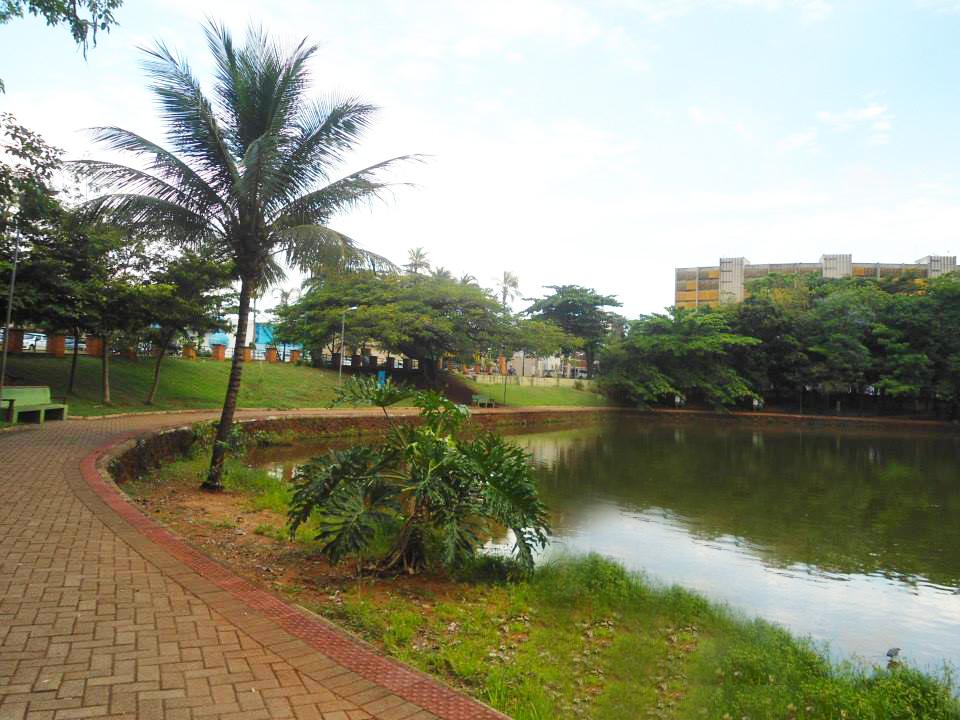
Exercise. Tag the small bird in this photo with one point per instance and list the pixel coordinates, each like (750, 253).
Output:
(893, 655)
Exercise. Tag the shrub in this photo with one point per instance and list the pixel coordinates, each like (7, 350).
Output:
(445, 494)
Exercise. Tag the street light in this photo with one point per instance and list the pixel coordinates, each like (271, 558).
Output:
(6, 326)
(343, 329)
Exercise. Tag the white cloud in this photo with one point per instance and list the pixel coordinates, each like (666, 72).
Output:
(801, 140)
(659, 10)
(874, 118)
(944, 6)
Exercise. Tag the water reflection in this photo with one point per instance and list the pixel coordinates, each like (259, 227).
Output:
(851, 538)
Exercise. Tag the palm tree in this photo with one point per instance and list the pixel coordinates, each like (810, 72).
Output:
(416, 261)
(509, 286)
(441, 273)
(250, 173)
(468, 279)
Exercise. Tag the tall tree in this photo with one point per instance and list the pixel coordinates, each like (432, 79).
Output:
(508, 287)
(681, 352)
(199, 290)
(421, 317)
(417, 261)
(250, 173)
(581, 313)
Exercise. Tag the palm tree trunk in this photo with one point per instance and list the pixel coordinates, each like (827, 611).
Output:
(164, 342)
(105, 368)
(72, 381)
(214, 481)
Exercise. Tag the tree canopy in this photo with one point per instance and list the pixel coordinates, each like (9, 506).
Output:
(252, 172)
(580, 312)
(803, 339)
(420, 316)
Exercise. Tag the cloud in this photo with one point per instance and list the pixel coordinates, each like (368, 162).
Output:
(875, 118)
(801, 140)
(943, 6)
(660, 10)
(709, 117)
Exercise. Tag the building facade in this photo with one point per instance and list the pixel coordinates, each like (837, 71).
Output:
(726, 282)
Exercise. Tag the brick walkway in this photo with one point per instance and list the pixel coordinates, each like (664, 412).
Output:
(104, 614)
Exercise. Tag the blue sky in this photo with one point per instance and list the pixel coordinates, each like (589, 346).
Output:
(600, 143)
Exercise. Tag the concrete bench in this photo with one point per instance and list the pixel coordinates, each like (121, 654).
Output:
(31, 403)
(483, 401)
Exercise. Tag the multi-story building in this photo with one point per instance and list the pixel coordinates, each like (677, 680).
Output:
(726, 282)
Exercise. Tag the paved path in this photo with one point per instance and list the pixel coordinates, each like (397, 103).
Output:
(104, 614)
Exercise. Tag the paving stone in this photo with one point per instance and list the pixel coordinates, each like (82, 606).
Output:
(106, 614)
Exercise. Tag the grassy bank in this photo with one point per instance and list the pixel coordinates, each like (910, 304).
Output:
(184, 384)
(540, 395)
(580, 638)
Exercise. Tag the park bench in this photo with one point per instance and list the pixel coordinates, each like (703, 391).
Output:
(31, 403)
(483, 401)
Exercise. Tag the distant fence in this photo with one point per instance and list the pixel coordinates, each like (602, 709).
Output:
(531, 381)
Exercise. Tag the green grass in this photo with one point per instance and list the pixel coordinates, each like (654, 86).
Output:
(184, 384)
(583, 638)
(541, 395)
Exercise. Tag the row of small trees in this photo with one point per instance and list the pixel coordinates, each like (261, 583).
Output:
(78, 278)
(429, 316)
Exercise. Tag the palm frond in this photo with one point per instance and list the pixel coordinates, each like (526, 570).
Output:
(323, 134)
(192, 126)
(319, 206)
(141, 213)
(162, 164)
(312, 247)
(106, 175)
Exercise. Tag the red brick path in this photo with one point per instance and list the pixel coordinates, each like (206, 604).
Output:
(104, 613)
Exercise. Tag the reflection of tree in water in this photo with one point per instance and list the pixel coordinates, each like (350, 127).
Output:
(843, 502)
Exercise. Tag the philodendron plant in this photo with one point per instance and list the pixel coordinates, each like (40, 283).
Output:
(435, 495)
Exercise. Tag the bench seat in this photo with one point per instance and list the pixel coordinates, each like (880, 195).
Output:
(30, 404)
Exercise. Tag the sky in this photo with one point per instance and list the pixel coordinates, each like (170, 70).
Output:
(597, 143)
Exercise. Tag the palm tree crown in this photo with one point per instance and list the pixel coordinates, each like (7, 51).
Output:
(416, 261)
(250, 173)
(509, 286)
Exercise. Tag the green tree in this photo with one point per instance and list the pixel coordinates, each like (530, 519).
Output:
(779, 366)
(841, 337)
(421, 317)
(508, 287)
(250, 175)
(681, 352)
(580, 312)
(417, 261)
(199, 291)
(538, 338)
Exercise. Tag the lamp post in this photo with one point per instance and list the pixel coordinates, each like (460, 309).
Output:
(6, 326)
(343, 329)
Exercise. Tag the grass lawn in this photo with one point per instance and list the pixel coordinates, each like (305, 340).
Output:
(526, 396)
(184, 384)
(580, 638)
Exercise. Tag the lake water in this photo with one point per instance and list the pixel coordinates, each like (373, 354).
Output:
(852, 538)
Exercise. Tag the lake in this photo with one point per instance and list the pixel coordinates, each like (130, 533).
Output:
(849, 537)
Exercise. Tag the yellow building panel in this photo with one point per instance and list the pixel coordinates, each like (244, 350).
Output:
(683, 295)
(712, 274)
(709, 295)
